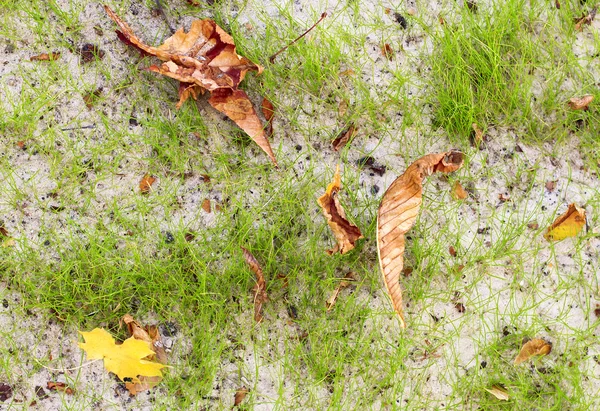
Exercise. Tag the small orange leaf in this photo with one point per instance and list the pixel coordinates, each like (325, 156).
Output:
(146, 183)
(45, 57)
(240, 394)
(566, 225)
(537, 346)
(580, 103)
(387, 51)
(260, 288)
(344, 231)
(206, 205)
(458, 192)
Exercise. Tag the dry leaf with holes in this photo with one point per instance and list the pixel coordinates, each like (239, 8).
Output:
(151, 336)
(566, 225)
(342, 139)
(45, 57)
(344, 231)
(537, 346)
(585, 19)
(580, 103)
(146, 183)
(345, 282)
(397, 214)
(498, 392)
(458, 192)
(125, 360)
(205, 58)
(260, 288)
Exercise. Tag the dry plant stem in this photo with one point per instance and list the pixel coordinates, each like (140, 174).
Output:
(397, 214)
(272, 58)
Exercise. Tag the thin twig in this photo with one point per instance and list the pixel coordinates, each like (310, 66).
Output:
(272, 58)
(77, 128)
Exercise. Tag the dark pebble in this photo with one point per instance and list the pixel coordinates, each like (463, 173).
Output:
(483, 364)
(374, 189)
(401, 20)
(298, 147)
(5, 303)
(169, 237)
(292, 312)
(133, 122)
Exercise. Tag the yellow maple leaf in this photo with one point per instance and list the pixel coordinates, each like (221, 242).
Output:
(125, 360)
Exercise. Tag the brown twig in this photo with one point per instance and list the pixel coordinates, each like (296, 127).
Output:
(272, 58)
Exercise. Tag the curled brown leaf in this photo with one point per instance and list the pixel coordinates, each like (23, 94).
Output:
(344, 231)
(537, 346)
(397, 214)
(260, 288)
(581, 103)
(60, 386)
(342, 139)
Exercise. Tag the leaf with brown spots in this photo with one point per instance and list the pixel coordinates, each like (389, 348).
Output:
(344, 231)
(581, 103)
(342, 139)
(146, 183)
(260, 288)
(566, 225)
(537, 346)
(397, 214)
(585, 19)
(45, 57)
(205, 58)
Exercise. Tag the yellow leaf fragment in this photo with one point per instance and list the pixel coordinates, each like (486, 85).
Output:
(124, 360)
(537, 346)
(397, 214)
(458, 192)
(566, 225)
(344, 231)
(498, 392)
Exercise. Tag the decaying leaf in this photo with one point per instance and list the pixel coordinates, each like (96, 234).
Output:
(60, 386)
(151, 336)
(458, 192)
(566, 225)
(342, 139)
(260, 288)
(90, 52)
(45, 57)
(124, 360)
(146, 183)
(345, 282)
(537, 346)
(580, 103)
(498, 392)
(397, 214)
(344, 231)
(585, 19)
(240, 394)
(205, 58)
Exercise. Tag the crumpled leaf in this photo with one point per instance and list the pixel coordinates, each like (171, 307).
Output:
(205, 58)
(397, 214)
(344, 231)
(151, 336)
(566, 225)
(585, 19)
(498, 392)
(124, 360)
(537, 346)
(580, 103)
(260, 288)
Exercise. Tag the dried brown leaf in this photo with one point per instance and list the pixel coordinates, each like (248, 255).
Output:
(580, 103)
(342, 139)
(551, 185)
(537, 346)
(566, 225)
(397, 214)
(344, 231)
(45, 57)
(3, 230)
(345, 282)
(260, 288)
(240, 394)
(498, 392)
(269, 112)
(533, 225)
(146, 183)
(206, 205)
(387, 51)
(90, 52)
(452, 251)
(458, 192)
(585, 19)
(343, 107)
(60, 386)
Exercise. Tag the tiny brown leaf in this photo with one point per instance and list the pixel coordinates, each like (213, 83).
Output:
(585, 19)
(342, 139)
(45, 57)
(344, 231)
(240, 394)
(581, 103)
(387, 51)
(206, 205)
(458, 192)
(537, 346)
(60, 386)
(551, 185)
(146, 183)
(260, 288)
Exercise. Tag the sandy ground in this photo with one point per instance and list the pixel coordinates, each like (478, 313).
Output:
(26, 332)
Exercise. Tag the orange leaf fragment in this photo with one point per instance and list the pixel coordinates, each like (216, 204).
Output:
(566, 225)
(60, 386)
(344, 231)
(458, 192)
(205, 58)
(260, 288)
(342, 139)
(537, 346)
(45, 57)
(580, 103)
(206, 205)
(476, 135)
(146, 183)
(240, 394)
(387, 51)
(397, 214)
